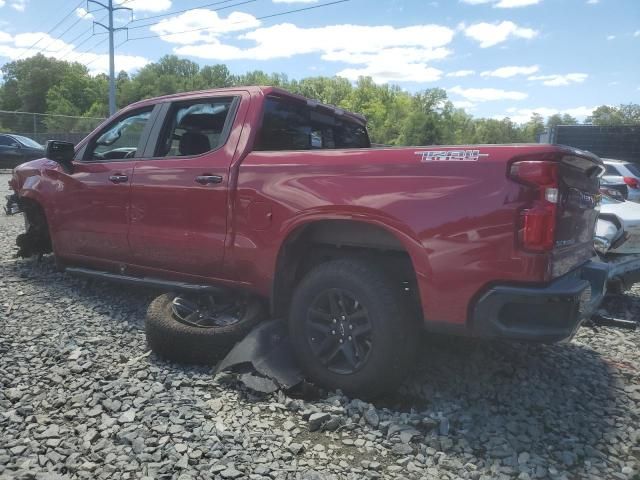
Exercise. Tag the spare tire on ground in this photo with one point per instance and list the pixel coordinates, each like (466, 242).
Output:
(197, 328)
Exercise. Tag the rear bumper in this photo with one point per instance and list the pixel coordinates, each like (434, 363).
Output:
(541, 314)
(624, 270)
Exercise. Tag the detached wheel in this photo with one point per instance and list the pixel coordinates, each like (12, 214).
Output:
(350, 328)
(199, 329)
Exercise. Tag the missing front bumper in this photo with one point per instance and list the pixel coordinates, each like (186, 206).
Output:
(12, 207)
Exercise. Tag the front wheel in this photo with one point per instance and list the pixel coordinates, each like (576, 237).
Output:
(350, 328)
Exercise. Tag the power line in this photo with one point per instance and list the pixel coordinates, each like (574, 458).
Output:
(182, 11)
(211, 10)
(279, 14)
(75, 47)
(51, 30)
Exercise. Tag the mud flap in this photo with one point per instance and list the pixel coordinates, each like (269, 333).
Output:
(267, 350)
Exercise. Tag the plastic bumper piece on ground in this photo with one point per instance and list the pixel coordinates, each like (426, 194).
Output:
(546, 314)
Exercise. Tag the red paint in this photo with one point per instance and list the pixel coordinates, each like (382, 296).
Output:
(456, 219)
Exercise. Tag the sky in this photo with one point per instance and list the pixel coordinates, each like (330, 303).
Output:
(495, 58)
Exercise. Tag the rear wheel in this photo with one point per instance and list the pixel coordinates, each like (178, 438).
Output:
(350, 328)
(199, 329)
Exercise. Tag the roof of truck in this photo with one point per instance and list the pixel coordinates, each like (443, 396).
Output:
(253, 89)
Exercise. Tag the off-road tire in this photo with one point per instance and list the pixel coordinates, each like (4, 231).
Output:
(184, 343)
(394, 330)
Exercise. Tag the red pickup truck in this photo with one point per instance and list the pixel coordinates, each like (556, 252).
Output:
(260, 191)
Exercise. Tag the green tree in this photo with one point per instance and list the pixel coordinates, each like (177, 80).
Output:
(628, 114)
(558, 119)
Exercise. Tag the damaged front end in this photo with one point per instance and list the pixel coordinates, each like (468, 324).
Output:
(12, 206)
(36, 239)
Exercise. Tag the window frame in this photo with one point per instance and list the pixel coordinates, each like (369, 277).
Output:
(164, 122)
(90, 146)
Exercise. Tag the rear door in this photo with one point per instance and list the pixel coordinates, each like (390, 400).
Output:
(92, 210)
(179, 195)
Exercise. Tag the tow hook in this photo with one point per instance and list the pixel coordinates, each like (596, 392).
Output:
(13, 205)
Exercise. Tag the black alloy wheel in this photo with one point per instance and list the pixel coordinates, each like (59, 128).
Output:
(339, 331)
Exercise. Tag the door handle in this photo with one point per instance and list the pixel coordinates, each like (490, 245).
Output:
(118, 178)
(208, 179)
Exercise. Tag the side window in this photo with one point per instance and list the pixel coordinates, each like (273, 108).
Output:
(6, 141)
(120, 140)
(195, 128)
(295, 126)
(610, 170)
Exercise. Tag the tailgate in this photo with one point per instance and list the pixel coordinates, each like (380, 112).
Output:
(577, 211)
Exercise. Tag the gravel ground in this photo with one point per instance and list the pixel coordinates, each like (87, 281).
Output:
(80, 397)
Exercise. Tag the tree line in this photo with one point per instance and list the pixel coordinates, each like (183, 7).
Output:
(396, 117)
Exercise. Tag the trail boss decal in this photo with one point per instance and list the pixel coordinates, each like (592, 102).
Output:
(451, 155)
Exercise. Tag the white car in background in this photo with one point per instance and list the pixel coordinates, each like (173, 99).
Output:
(618, 227)
(619, 171)
(617, 241)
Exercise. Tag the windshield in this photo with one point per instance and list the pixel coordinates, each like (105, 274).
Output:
(27, 142)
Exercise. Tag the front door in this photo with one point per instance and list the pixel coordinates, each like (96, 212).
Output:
(92, 210)
(179, 197)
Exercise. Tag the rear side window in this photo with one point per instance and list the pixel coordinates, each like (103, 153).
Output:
(610, 170)
(293, 126)
(7, 141)
(195, 128)
(633, 168)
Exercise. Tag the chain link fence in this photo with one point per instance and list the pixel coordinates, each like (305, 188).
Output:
(42, 127)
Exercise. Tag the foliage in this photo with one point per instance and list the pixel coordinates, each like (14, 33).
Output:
(396, 117)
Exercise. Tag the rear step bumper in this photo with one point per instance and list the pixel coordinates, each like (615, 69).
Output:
(542, 314)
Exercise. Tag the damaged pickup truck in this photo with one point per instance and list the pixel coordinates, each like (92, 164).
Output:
(235, 199)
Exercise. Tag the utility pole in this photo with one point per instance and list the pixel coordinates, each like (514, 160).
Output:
(112, 74)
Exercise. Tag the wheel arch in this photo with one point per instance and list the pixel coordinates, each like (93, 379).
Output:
(340, 236)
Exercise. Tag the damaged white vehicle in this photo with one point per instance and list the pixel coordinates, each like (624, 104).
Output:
(617, 241)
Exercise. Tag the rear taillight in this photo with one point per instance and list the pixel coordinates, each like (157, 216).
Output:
(538, 221)
(631, 182)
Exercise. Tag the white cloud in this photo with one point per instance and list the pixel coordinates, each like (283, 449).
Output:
(2, 2)
(516, 3)
(558, 80)
(466, 104)
(82, 13)
(611, 37)
(504, 3)
(487, 94)
(295, 1)
(385, 53)
(490, 34)
(146, 5)
(522, 115)
(461, 73)
(636, 33)
(593, 2)
(15, 46)
(508, 72)
(19, 5)
(202, 25)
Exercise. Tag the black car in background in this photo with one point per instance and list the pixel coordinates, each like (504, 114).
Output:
(16, 149)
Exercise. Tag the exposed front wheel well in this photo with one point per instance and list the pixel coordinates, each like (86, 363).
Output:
(36, 239)
(328, 240)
